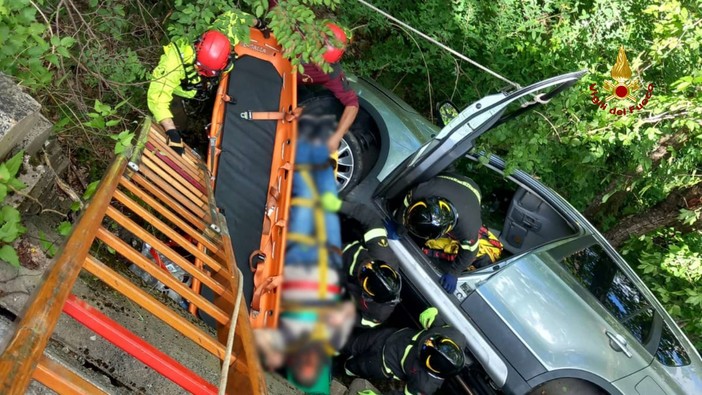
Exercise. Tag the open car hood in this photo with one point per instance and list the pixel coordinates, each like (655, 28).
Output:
(458, 137)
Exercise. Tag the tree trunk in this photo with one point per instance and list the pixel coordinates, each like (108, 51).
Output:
(663, 214)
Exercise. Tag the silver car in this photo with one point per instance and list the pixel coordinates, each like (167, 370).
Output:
(561, 311)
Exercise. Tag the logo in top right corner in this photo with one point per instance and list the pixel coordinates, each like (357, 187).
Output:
(622, 95)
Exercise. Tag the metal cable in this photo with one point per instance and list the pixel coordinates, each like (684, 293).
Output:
(442, 46)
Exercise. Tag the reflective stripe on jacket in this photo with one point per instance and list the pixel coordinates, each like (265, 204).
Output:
(167, 76)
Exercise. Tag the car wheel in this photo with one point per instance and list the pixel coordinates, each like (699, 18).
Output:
(350, 165)
(569, 387)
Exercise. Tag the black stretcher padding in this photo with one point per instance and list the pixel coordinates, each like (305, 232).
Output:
(245, 162)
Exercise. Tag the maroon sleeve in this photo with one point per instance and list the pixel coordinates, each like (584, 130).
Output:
(340, 87)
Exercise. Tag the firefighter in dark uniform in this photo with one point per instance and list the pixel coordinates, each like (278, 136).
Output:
(446, 207)
(371, 268)
(423, 359)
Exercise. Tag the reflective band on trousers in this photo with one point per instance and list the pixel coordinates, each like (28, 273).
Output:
(389, 371)
(376, 232)
(465, 184)
(469, 247)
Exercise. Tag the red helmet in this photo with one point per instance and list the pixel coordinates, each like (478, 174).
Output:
(333, 54)
(212, 52)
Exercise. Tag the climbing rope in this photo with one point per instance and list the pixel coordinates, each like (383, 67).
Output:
(441, 45)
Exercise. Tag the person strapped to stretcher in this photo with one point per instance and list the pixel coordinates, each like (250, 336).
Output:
(315, 322)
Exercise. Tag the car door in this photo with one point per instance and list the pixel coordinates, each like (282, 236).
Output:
(458, 137)
(625, 327)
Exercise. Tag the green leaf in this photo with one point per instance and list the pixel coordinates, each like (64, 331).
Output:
(90, 190)
(103, 109)
(13, 164)
(75, 206)
(45, 244)
(68, 41)
(4, 173)
(16, 184)
(3, 191)
(9, 255)
(9, 232)
(64, 228)
(10, 214)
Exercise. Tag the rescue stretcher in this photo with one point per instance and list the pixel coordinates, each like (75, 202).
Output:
(251, 157)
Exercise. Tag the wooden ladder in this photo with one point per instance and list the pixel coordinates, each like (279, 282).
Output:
(151, 188)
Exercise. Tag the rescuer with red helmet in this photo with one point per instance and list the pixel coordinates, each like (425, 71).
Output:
(191, 69)
(336, 40)
(335, 81)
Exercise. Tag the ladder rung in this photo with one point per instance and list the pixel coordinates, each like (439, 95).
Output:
(62, 379)
(210, 245)
(161, 275)
(150, 304)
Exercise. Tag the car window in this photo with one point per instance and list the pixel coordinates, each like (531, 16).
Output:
(596, 271)
(670, 352)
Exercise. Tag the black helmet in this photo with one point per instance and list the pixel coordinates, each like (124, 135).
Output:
(430, 218)
(379, 281)
(441, 356)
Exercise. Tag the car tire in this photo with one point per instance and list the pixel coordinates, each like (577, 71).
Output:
(568, 386)
(359, 149)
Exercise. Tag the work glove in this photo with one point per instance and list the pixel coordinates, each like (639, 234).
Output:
(449, 281)
(175, 142)
(395, 230)
(426, 318)
(331, 202)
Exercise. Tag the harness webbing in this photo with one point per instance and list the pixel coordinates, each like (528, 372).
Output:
(320, 238)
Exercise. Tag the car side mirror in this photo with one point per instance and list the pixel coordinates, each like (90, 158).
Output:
(447, 111)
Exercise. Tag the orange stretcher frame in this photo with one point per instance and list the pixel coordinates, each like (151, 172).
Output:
(265, 305)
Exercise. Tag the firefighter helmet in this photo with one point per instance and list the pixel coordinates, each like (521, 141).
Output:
(333, 54)
(441, 356)
(379, 281)
(430, 218)
(212, 53)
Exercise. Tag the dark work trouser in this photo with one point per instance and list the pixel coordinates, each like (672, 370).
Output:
(366, 352)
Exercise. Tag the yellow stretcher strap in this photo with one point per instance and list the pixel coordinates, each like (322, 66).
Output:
(321, 230)
(303, 202)
(302, 239)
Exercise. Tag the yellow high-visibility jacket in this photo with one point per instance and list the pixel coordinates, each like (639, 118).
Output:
(171, 71)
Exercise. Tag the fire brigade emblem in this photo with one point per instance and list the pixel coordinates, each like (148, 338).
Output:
(623, 85)
(623, 88)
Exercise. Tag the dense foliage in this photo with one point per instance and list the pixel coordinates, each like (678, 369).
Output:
(88, 61)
